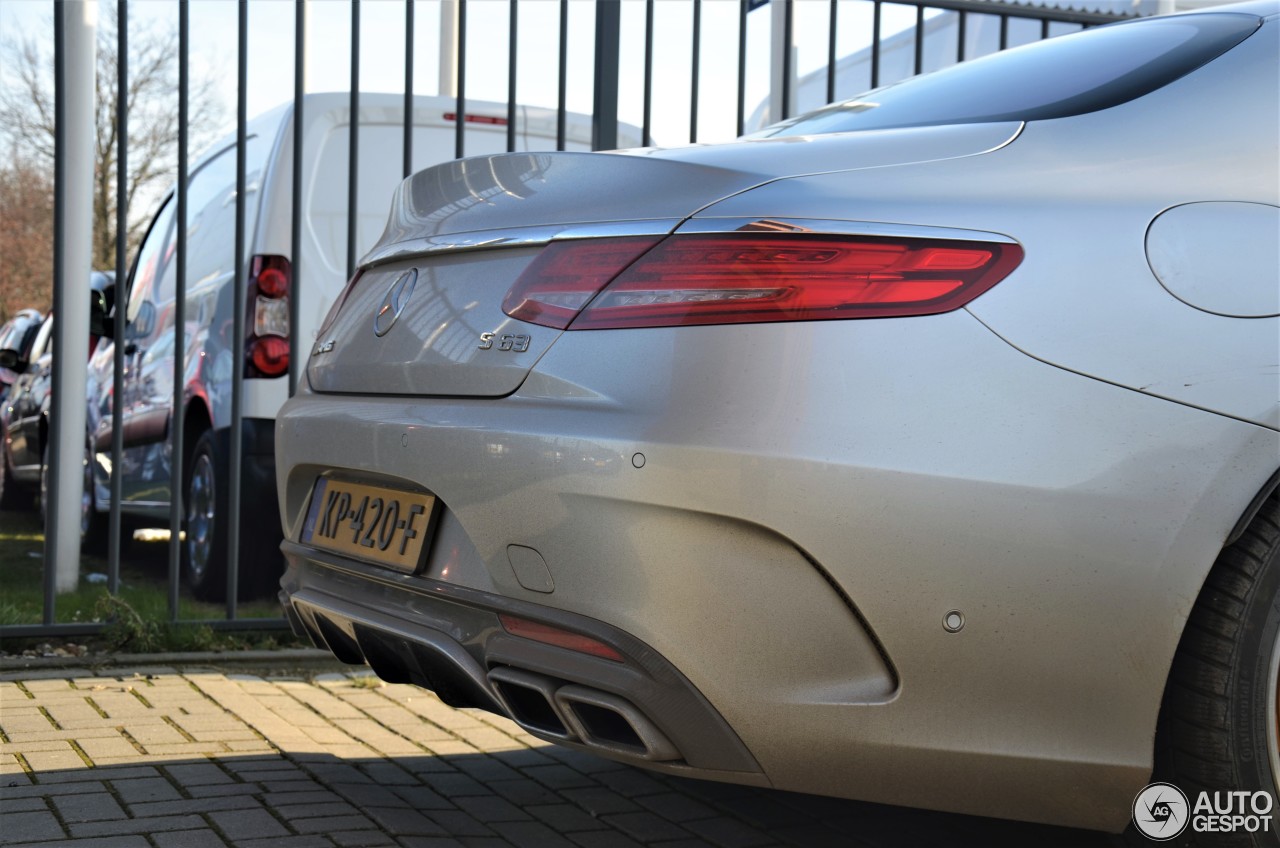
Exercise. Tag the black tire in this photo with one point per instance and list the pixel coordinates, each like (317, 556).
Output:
(12, 494)
(206, 507)
(204, 503)
(93, 524)
(1218, 724)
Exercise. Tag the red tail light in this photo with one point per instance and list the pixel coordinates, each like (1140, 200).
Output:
(549, 635)
(270, 355)
(266, 335)
(752, 278)
(566, 275)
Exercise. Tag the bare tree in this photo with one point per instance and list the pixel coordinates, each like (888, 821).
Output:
(27, 118)
(26, 235)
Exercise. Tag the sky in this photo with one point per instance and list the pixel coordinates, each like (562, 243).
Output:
(271, 51)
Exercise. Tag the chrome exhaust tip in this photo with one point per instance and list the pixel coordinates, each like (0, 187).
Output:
(613, 724)
(530, 700)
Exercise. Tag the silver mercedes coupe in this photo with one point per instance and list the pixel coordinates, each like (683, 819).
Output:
(922, 449)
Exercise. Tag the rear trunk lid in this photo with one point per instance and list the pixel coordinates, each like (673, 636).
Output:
(425, 316)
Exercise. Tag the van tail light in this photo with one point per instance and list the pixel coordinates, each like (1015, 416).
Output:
(754, 277)
(267, 332)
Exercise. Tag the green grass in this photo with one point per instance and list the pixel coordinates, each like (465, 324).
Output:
(138, 618)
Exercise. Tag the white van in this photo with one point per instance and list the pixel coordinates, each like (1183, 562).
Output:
(210, 360)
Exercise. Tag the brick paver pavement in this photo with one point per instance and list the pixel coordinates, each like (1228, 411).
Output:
(170, 758)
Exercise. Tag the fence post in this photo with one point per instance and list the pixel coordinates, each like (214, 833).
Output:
(604, 117)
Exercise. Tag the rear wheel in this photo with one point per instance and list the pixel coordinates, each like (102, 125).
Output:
(93, 525)
(1218, 729)
(205, 548)
(12, 495)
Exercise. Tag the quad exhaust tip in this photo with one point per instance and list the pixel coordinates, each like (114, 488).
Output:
(569, 712)
(530, 700)
(609, 722)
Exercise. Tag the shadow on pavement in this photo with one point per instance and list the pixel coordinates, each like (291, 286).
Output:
(199, 757)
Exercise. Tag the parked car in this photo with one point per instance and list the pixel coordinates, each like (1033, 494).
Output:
(210, 358)
(17, 340)
(24, 411)
(16, 337)
(887, 455)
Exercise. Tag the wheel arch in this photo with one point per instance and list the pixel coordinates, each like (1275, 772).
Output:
(1238, 529)
(1251, 511)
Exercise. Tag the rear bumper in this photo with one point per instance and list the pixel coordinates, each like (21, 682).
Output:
(786, 514)
(449, 639)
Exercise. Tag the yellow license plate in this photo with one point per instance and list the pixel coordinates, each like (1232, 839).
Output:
(385, 526)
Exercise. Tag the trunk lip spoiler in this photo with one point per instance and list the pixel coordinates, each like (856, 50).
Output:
(540, 235)
(514, 237)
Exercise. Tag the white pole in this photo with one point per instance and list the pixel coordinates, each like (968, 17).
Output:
(71, 327)
(448, 47)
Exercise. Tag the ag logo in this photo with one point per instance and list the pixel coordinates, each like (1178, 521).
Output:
(1161, 812)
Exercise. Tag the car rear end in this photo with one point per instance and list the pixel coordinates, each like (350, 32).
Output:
(706, 460)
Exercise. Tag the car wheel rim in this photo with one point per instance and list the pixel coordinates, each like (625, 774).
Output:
(200, 516)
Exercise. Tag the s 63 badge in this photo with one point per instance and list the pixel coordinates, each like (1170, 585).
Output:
(516, 343)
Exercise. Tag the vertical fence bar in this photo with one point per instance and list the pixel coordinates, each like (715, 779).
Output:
(563, 95)
(831, 51)
(295, 225)
(408, 88)
(238, 310)
(114, 541)
(788, 33)
(176, 476)
(460, 110)
(1044, 29)
(919, 59)
(647, 121)
(743, 7)
(695, 62)
(353, 143)
(511, 78)
(961, 34)
(875, 45)
(1004, 32)
(59, 245)
(604, 118)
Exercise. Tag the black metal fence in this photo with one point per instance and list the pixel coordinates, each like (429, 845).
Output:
(606, 50)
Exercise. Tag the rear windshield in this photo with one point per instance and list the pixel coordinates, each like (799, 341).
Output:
(1056, 78)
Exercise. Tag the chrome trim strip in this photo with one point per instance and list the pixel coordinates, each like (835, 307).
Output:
(540, 235)
(833, 227)
(522, 237)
